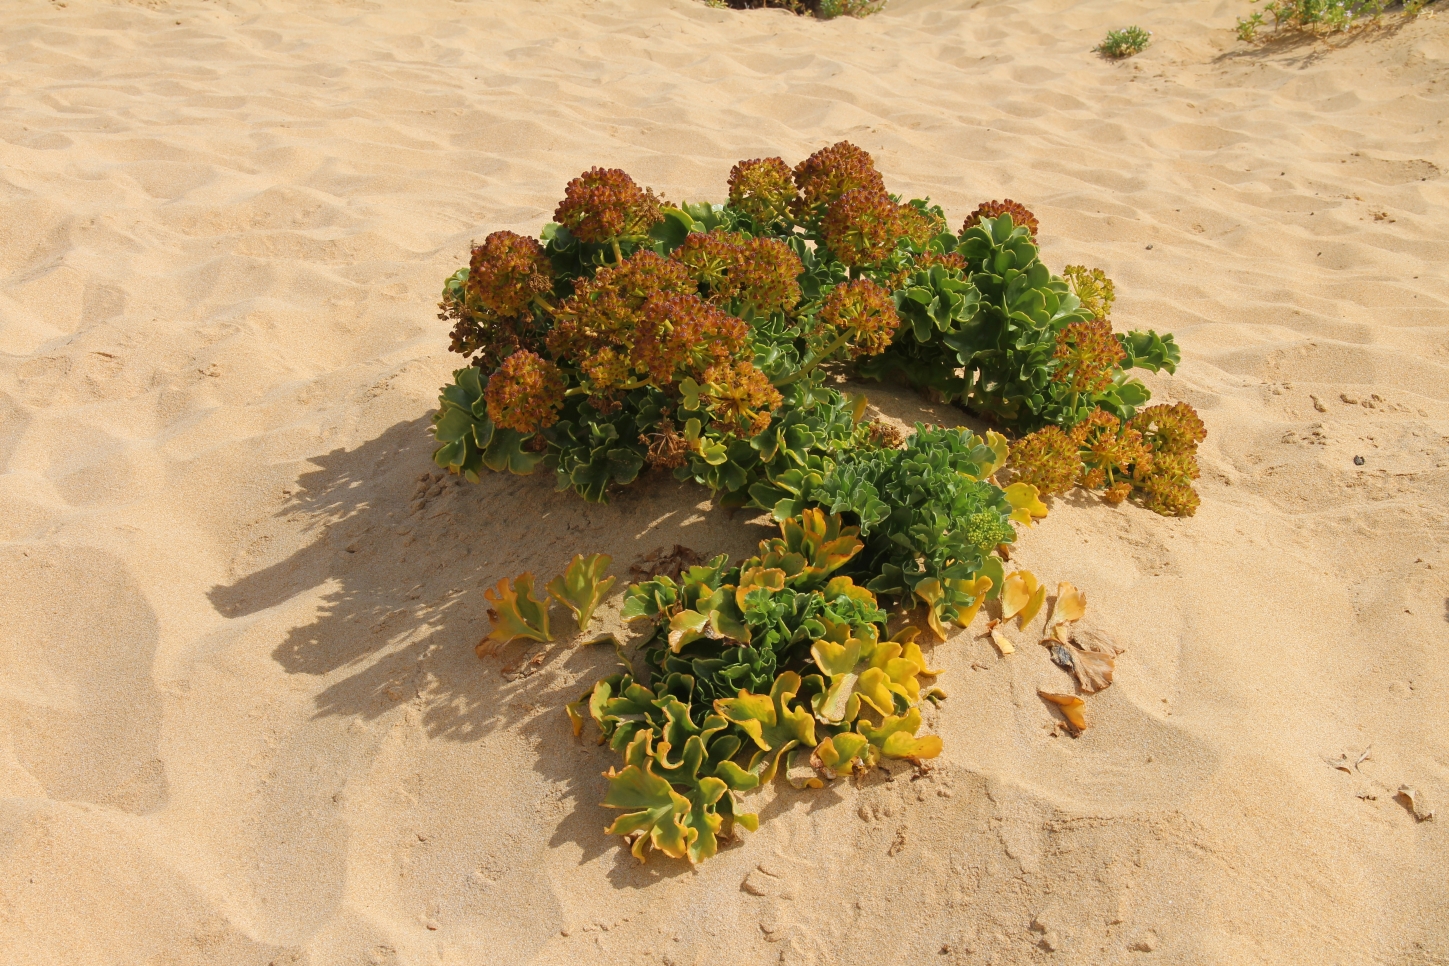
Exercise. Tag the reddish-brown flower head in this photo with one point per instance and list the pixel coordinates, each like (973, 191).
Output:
(1087, 354)
(862, 226)
(507, 272)
(865, 309)
(767, 276)
(831, 172)
(682, 333)
(526, 393)
(762, 189)
(604, 203)
(604, 310)
(1020, 216)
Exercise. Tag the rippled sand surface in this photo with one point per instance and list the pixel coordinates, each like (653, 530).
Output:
(241, 720)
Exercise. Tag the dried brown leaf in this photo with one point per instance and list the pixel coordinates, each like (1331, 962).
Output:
(1073, 708)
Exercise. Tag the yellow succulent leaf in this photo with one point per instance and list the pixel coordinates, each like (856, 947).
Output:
(1029, 613)
(1026, 503)
(1017, 592)
(976, 588)
(999, 448)
(913, 654)
(1071, 603)
(1073, 708)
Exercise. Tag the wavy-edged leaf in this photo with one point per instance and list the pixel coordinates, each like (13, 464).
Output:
(656, 814)
(515, 612)
(770, 722)
(580, 588)
(841, 754)
(896, 737)
(1026, 504)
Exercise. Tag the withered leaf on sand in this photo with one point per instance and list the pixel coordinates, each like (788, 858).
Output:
(1092, 669)
(1073, 708)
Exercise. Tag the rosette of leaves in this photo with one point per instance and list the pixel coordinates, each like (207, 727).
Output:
(930, 518)
(779, 658)
(468, 440)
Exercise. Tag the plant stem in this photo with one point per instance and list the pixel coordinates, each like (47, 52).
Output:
(818, 358)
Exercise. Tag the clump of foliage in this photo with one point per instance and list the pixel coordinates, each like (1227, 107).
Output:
(1124, 42)
(823, 9)
(703, 340)
(1319, 16)
(782, 663)
(696, 338)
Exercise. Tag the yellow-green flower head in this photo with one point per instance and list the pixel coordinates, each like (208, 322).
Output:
(865, 308)
(762, 188)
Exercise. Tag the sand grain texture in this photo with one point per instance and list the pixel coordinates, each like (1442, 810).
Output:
(241, 721)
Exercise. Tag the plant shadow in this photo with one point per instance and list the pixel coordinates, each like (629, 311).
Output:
(384, 605)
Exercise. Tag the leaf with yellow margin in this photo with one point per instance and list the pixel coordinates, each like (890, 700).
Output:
(582, 586)
(841, 753)
(1073, 708)
(1025, 502)
(515, 612)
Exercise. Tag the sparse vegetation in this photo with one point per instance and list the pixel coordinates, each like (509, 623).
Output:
(1319, 16)
(1124, 42)
(823, 9)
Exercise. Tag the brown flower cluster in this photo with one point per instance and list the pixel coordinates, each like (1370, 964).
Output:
(604, 204)
(482, 337)
(883, 435)
(526, 393)
(865, 310)
(642, 321)
(862, 226)
(682, 333)
(667, 449)
(831, 172)
(762, 273)
(1092, 287)
(1020, 216)
(741, 395)
(762, 188)
(507, 272)
(1087, 354)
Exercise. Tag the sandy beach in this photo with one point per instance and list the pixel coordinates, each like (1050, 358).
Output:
(241, 716)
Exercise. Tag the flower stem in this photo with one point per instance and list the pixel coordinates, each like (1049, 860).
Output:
(816, 359)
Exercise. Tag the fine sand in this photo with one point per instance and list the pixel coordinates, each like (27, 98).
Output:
(242, 718)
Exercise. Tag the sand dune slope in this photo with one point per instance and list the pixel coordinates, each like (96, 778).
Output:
(241, 721)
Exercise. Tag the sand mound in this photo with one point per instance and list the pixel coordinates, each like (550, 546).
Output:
(242, 718)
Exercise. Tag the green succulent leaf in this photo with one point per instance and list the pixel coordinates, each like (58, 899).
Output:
(583, 585)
